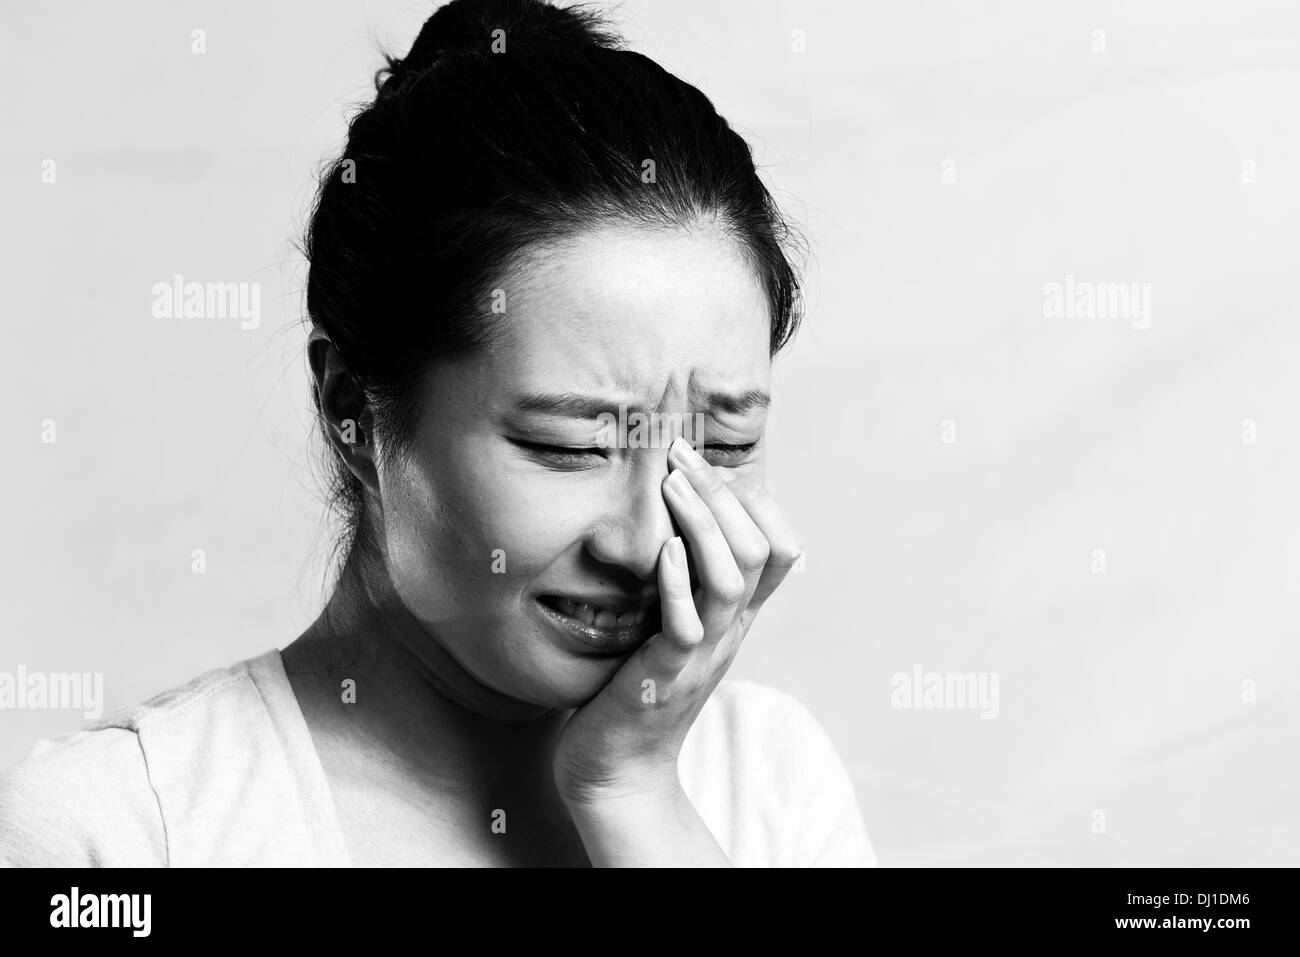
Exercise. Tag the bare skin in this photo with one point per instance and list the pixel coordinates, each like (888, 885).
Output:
(473, 707)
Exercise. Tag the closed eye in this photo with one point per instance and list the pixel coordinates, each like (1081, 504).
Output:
(567, 457)
(729, 454)
(573, 458)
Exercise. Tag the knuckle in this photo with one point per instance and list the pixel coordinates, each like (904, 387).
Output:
(787, 555)
(691, 634)
(731, 591)
(754, 556)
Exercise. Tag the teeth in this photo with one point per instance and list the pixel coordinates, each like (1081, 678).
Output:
(599, 617)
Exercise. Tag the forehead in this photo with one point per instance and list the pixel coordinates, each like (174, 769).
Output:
(653, 313)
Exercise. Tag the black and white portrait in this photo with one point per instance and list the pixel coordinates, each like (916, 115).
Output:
(503, 433)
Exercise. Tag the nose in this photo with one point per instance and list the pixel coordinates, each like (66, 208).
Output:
(638, 523)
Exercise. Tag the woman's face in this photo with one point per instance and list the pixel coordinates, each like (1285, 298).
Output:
(512, 506)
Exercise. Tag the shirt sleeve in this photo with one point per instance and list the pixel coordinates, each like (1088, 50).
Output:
(831, 830)
(82, 800)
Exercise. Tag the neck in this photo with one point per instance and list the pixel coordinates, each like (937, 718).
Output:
(414, 703)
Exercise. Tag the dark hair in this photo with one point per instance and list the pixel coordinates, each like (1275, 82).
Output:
(509, 125)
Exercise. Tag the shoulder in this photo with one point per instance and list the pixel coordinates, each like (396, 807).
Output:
(81, 799)
(744, 716)
(143, 785)
(183, 728)
(766, 776)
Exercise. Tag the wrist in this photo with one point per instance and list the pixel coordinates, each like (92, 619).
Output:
(645, 827)
(640, 794)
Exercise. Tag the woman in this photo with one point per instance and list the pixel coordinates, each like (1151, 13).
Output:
(532, 239)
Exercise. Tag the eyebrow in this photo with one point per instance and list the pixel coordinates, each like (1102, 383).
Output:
(576, 405)
(739, 403)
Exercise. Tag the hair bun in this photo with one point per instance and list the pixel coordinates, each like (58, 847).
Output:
(470, 26)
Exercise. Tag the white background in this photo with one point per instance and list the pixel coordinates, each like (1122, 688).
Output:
(1120, 692)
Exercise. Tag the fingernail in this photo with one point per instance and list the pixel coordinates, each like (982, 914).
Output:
(677, 553)
(685, 454)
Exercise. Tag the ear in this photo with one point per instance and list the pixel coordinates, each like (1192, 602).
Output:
(345, 410)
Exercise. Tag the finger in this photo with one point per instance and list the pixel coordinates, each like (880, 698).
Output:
(783, 545)
(749, 547)
(722, 586)
(681, 630)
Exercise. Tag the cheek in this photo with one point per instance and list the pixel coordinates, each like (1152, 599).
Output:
(474, 531)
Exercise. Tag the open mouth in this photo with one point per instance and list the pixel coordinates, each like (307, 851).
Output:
(602, 630)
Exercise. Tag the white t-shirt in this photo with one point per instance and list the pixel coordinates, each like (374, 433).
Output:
(222, 772)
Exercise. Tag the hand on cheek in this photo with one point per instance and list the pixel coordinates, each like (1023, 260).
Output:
(628, 737)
